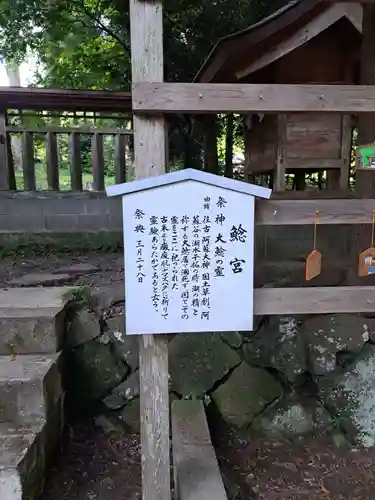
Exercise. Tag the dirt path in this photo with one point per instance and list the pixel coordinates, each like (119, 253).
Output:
(310, 468)
(109, 267)
(95, 466)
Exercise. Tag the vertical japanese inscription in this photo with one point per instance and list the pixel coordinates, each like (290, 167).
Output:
(185, 271)
(185, 258)
(154, 233)
(196, 264)
(139, 229)
(174, 254)
(220, 242)
(237, 234)
(164, 265)
(206, 262)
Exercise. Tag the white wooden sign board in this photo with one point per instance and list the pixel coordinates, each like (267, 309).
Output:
(188, 253)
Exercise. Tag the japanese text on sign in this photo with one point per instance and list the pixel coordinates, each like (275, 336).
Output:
(189, 266)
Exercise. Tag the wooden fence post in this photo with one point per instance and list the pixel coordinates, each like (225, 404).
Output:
(4, 164)
(28, 163)
(52, 157)
(97, 161)
(146, 21)
(75, 161)
(120, 160)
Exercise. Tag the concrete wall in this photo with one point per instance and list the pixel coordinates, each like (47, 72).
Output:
(89, 212)
(25, 212)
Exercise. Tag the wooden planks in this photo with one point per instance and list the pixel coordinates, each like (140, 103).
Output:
(52, 158)
(75, 162)
(120, 159)
(238, 98)
(40, 99)
(28, 162)
(299, 212)
(69, 130)
(313, 164)
(314, 300)
(97, 162)
(346, 143)
(305, 33)
(11, 173)
(4, 165)
(146, 29)
(196, 471)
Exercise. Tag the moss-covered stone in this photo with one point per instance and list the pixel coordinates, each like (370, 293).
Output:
(245, 394)
(126, 346)
(129, 415)
(327, 335)
(293, 415)
(83, 328)
(233, 339)
(350, 396)
(92, 370)
(278, 344)
(123, 393)
(198, 361)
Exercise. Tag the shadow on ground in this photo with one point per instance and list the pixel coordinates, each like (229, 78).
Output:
(92, 465)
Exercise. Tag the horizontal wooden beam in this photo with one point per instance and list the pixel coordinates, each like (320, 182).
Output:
(314, 300)
(300, 212)
(40, 99)
(69, 130)
(240, 98)
(312, 164)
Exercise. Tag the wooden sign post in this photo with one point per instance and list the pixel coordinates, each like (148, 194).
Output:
(189, 265)
(146, 27)
(188, 245)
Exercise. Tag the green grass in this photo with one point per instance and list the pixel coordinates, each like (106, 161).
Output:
(64, 179)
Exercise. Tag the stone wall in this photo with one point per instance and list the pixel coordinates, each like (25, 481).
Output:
(30, 212)
(46, 213)
(289, 376)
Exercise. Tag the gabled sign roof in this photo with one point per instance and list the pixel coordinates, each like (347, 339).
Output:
(188, 174)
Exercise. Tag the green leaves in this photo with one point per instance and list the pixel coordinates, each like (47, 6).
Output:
(86, 43)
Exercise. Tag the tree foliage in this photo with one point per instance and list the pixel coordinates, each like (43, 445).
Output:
(86, 43)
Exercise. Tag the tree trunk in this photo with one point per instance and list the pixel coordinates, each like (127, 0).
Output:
(13, 74)
(211, 161)
(365, 180)
(229, 147)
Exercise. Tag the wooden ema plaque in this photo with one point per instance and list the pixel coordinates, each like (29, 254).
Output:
(314, 260)
(366, 265)
(313, 265)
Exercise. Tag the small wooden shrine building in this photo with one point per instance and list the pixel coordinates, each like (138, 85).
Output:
(304, 42)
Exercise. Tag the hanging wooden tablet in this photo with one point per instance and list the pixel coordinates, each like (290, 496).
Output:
(314, 260)
(366, 265)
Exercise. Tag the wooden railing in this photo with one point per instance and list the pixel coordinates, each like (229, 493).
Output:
(50, 136)
(87, 150)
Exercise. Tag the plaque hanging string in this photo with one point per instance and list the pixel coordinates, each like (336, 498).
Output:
(316, 223)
